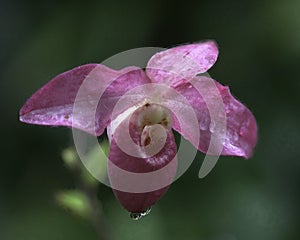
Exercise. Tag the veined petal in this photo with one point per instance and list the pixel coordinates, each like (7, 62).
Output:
(54, 103)
(239, 130)
(139, 179)
(182, 62)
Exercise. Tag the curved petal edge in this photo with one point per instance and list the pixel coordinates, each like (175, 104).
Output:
(241, 128)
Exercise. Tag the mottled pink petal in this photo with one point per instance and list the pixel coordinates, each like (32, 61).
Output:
(143, 179)
(184, 61)
(241, 129)
(53, 104)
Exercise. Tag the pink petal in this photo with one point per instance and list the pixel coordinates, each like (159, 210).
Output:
(53, 104)
(240, 132)
(185, 61)
(139, 181)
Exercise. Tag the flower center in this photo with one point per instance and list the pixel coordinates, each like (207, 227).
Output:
(153, 120)
(150, 114)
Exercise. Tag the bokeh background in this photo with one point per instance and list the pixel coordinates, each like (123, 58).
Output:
(259, 59)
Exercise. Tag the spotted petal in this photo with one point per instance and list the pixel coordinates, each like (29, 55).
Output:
(71, 98)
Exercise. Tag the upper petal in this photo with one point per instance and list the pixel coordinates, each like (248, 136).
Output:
(239, 127)
(184, 61)
(82, 97)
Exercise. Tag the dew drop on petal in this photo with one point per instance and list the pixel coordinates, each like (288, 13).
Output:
(135, 216)
(138, 216)
(146, 212)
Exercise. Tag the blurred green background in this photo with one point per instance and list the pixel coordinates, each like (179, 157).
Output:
(259, 59)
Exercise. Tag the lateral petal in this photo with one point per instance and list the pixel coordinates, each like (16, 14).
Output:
(94, 88)
(213, 103)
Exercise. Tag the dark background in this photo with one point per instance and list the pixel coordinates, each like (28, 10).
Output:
(259, 44)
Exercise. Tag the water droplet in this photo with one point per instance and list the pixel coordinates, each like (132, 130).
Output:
(135, 216)
(146, 212)
(138, 216)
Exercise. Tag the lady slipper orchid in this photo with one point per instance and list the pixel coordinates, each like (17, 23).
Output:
(140, 129)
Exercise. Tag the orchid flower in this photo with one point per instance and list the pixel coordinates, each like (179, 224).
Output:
(140, 130)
